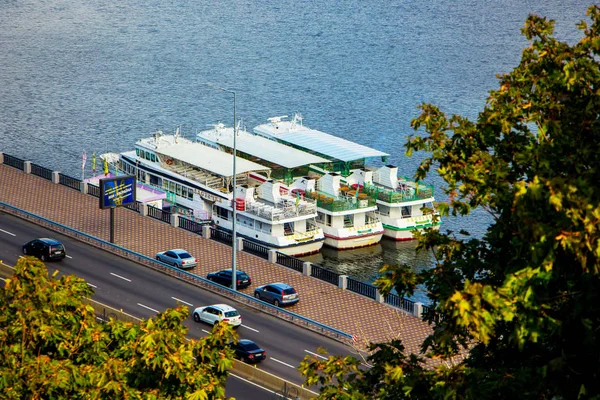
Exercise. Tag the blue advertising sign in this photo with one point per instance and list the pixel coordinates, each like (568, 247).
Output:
(117, 191)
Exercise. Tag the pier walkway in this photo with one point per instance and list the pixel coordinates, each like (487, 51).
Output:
(362, 317)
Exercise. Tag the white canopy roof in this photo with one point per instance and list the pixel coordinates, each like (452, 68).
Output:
(199, 155)
(261, 147)
(294, 133)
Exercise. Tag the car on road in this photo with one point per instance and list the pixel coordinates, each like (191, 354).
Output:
(216, 313)
(248, 351)
(224, 278)
(280, 294)
(45, 249)
(178, 258)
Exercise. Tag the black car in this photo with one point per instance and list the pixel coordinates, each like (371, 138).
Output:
(224, 278)
(248, 351)
(45, 249)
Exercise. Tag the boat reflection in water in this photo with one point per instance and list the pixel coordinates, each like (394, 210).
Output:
(364, 263)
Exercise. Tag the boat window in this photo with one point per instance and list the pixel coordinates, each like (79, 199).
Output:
(222, 213)
(348, 223)
(178, 190)
(154, 180)
(328, 223)
(147, 155)
(137, 152)
(288, 229)
(406, 211)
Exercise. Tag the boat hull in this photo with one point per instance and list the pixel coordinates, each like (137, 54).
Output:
(307, 247)
(399, 233)
(345, 243)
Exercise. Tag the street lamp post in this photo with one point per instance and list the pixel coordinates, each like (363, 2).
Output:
(233, 203)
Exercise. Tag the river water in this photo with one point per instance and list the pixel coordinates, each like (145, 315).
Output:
(98, 75)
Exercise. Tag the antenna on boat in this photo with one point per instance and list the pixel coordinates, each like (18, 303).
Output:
(297, 119)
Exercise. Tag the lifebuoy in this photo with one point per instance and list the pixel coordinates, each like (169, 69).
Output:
(169, 161)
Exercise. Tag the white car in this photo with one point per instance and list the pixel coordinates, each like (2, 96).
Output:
(218, 312)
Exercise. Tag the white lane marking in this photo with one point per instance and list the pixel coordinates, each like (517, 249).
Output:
(286, 364)
(68, 256)
(119, 276)
(181, 301)
(7, 232)
(247, 327)
(205, 331)
(94, 286)
(264, 388)
(151, 309)
(315, 354)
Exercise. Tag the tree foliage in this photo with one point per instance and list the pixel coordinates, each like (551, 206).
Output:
(53, 347)
(524, 299)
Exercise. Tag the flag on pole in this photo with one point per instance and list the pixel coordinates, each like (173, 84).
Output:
(105, 166)
(357, 190)
(297, 199)
(94, 162)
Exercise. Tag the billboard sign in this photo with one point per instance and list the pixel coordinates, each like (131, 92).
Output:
(117, 191)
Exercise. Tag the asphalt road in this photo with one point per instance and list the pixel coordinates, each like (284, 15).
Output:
(143, 292)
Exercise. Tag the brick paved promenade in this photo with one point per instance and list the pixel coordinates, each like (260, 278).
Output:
(319, 301)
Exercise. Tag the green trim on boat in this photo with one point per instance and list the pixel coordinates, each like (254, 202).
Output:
(412, 228)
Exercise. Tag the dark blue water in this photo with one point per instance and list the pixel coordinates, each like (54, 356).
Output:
(99, 75)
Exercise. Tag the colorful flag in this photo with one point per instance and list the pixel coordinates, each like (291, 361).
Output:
(105, 166)
(357, 190)
(94, 162)
(297, 199)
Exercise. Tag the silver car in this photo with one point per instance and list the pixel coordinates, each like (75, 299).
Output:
(178, 258)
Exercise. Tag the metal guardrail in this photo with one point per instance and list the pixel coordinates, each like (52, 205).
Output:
(159, 214)
(324, 274)
(399, 302)
(291, 262)
(190, 225)
(361, 288)
(180, 274)
(40, 171)
(14, 162)
(221, 236)
(93, 190)
(256, 249)
(69, 181)
(134, 206)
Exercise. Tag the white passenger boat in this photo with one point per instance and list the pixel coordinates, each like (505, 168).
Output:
(347, 221)
(199, 179)
(403, 206)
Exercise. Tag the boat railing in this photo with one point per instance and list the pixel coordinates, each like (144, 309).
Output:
(281, 210)
(204, 178)
(342, 202)
(406, 191)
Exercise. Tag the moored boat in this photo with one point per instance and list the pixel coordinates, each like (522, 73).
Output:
(403, 205)
(347, 222)
(199, 179)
